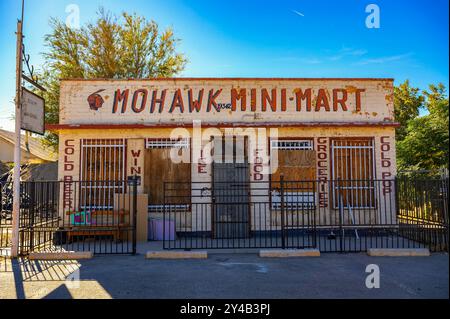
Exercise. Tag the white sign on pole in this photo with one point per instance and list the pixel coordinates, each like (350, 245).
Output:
(32, 112)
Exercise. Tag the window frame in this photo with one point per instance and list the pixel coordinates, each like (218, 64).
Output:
(334, 180)
(167, 143)
(275, 200)
(114, 185)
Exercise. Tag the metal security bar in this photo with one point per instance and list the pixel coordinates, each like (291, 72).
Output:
(353, 162)
(167, 143)
(292, 144)
(102, 160)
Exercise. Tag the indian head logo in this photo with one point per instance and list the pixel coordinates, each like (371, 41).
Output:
(95, 100)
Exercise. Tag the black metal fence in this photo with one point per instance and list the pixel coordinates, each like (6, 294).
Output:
(97, 216)
(333, 216)
(423, 208)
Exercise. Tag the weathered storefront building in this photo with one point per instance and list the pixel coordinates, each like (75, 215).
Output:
(212, 151)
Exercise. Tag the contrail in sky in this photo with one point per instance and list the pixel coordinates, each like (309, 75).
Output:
(299, 13)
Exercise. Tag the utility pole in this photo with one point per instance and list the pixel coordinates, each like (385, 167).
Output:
(17, 148)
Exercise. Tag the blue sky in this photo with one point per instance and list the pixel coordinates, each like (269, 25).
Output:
(287, 38)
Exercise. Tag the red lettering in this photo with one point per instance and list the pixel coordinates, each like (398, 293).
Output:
(322, 101)
(253, 99)
(66, 159)
(283, 100)
(201, 168)
(383, 138)
(177, 102)
(358, 99)
(341, 100)
(135, 171)
(66, 143)
(385, 147)
(271, 100)
(300, 95)
(144, 93)
(135, 153)
(159, 101)
(241, 95)
(120, 97)
(212, 100)
(319, 163)
(195, 104)
(257, 176)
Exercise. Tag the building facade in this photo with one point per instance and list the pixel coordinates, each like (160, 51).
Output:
(208, 132)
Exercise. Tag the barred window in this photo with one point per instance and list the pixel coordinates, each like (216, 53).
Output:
(297, 162)
(159, 168)
(102, 172)
(167, 143)
(353, 172)
(292, 144)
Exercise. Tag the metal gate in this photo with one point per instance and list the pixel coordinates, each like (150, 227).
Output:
(231, 200)
(231, 212)
(96, 216)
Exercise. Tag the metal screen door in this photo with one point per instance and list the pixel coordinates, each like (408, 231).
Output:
(231, 206)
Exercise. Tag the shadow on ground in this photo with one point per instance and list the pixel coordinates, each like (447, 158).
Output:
(225, 276)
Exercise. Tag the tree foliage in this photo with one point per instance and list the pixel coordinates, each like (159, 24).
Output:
(426, 141)
(408, 101)
(113, 47)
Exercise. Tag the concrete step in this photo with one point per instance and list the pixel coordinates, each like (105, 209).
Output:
(280, 253)
(66, 255)
(398, 252)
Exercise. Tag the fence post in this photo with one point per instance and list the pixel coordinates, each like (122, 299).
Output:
(314, 213)
(397, 199)
(134, 214)
(341, 216)
(32, 212)
(445, 212)
(164, 216)
(283, 242)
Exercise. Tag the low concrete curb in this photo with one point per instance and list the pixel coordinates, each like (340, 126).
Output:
(176, 254)
(67, 255)
(280, 253)
(394, 252)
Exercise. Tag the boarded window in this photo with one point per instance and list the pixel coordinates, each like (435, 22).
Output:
(353, 172)
(297, 162)
(102, 172)
(159, 168)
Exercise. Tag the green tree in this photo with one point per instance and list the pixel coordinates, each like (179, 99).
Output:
(425, 145)
(113, 47)
(407, 103)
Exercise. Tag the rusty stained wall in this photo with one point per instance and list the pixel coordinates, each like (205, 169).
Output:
(384, 138)
(130, 102)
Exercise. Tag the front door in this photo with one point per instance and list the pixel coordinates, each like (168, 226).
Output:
(231, 194)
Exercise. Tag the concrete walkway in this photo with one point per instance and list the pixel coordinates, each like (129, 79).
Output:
(226, 276)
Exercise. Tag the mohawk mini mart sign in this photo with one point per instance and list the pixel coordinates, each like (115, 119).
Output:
(225, 100)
